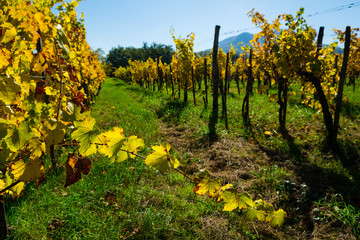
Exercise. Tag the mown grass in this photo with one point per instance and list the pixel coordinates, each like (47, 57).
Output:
(131, 201)
(301, 171)
(120, 200)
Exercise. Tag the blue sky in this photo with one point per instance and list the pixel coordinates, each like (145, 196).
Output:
(112, 23)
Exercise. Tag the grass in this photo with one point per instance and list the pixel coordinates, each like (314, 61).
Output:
(120, 200)
(130, 201)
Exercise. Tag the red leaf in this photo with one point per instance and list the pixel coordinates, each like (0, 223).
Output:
(74, 167)
(78, 99)
(40, 87)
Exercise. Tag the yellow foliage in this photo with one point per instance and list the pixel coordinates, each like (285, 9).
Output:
(161, 158)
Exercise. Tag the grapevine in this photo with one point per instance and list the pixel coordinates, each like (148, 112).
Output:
(45, 95)
(47, 70)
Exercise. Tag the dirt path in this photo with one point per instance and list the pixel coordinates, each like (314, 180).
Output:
(238, 161)
(232, 159)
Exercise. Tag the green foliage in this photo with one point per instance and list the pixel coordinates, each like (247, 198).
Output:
(345, 213)
(120, 56)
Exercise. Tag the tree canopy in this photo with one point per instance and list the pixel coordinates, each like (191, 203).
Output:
(119, 56)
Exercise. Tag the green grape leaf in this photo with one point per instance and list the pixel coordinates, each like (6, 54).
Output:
(33, 113)
(26, 172)
(5, 155)
(62, 39)
(161, 159)
(73, 113)
(76, 166)
(111, 144)
(3, 130)
(17, 137)
(86, 135)
(208, 185)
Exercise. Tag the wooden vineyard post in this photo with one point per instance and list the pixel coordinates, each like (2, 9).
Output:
(237, 79)
(160, 75)
(341, 82)
(245, 106)
(319, 40)
(225, 90)
(3, 225)
(336, 67)
(205, 79)
(215, 83)
(39, 47)
(172, 83)
(193, 83)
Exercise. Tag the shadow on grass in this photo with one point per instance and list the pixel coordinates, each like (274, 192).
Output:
(318, 181)
(171, 111)
(350, 110)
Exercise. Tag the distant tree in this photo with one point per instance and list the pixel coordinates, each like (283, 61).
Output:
(119, 56)
(101, 54)
(203, 54)
(156, 50)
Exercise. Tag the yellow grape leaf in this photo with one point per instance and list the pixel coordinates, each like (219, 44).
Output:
(208, 185)
(277, 218)
(10, 32)
(225, 188)
(39, 19)
(4, 57)
(26, 172)
(251, 214)
(233, 200)
(86, 135)
(50, 91)
(36, 147)
(2, 184)
(8, 90)
(17, 189)
(161, 158)
(121, 156)
(111, 143)
(132, 145)
(264, 206)
(262, 211)
(54, 133)
(17, 137)
(268, 133)
(39, 63)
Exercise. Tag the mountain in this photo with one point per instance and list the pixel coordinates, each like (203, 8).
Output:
(243, 38)
(225, 44)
